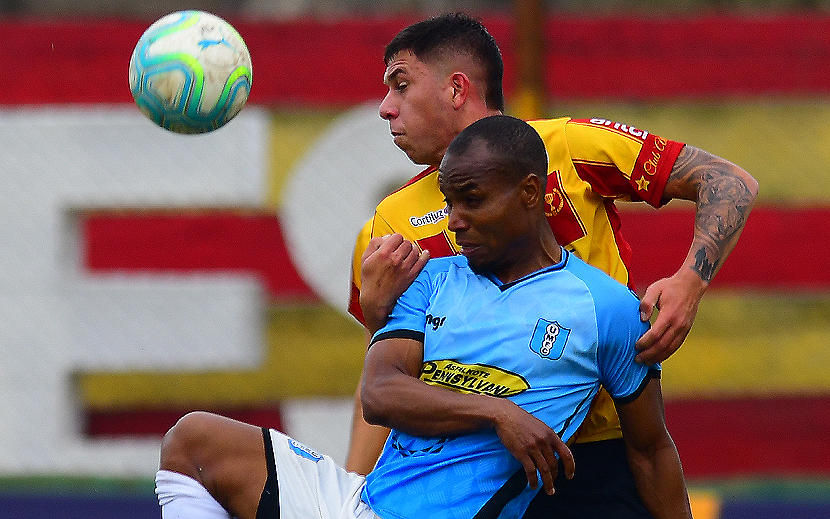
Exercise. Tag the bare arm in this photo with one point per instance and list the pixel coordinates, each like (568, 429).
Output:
(652, 455)
(724, 195)
(394, 396)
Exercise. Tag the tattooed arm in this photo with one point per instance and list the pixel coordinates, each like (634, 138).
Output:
(723, 194)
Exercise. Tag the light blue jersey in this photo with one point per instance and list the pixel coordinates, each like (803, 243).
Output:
(546, 341)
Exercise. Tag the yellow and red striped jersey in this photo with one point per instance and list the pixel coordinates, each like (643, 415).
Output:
(592, 163)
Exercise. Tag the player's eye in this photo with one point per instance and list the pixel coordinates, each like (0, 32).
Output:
(472, 201)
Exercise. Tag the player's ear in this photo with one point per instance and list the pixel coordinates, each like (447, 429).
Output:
(530, 190)
(461, 86)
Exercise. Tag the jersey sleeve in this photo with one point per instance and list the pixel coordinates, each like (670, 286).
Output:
(621, 161)
(408, 318)
(361, 242)
(619, 327)
(393, 214)
(377, 226)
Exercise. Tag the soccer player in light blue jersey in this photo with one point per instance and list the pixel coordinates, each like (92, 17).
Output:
(485, 368)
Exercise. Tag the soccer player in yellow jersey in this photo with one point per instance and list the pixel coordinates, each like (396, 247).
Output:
(444, 74)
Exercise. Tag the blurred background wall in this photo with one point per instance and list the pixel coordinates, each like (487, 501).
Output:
(145, 274)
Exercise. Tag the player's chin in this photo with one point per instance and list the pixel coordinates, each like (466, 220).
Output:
(477, 263)
(417, 158)
(415, 155)
(401, 142)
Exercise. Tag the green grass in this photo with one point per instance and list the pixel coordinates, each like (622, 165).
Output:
(75, 485)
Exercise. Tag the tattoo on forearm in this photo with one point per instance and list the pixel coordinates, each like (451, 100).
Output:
(723, 203)
(704, 268)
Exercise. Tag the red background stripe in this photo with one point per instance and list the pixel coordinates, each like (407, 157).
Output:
(752, 435)
(780, 248)
(339, 62)
(190, 242)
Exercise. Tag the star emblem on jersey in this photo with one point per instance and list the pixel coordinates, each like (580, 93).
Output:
(642, 184)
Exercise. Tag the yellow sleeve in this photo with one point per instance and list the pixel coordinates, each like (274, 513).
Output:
(361, 242)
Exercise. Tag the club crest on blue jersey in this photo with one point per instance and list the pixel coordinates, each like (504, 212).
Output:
(549, 338)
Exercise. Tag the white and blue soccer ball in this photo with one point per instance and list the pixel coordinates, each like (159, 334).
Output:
(190, 72)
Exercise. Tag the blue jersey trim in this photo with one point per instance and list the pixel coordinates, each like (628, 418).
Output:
(563, 261)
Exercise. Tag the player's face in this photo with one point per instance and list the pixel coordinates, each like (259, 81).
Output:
(485, 212)
(419, 108)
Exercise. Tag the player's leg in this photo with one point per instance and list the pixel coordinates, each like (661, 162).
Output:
(225, 457)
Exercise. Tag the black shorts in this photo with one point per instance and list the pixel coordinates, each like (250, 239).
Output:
(602, 487)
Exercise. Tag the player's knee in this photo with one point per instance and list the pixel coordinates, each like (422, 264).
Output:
(181, 447)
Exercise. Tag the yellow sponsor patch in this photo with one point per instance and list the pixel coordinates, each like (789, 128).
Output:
(472, 378)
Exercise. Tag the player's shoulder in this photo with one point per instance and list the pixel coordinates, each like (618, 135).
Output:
(615, 306)
(566, 133)
(438, 271)
(598, 282)
(599, 127)
(423, 181)
(567, 127)
(563, 125)
(444, 264)
(550, 128)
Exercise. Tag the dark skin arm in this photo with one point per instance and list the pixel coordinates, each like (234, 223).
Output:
(724, 195)
(652, 455)
(394, 396)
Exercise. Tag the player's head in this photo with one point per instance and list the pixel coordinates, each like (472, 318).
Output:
(493, 177)
(445, 37)
(442, 74)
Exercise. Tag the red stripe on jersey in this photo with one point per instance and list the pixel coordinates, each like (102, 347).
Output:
(623, 247)
(653, 167)
(354, 305)
(417, 177)
(605, 179)
(438, 245)
(562, 216)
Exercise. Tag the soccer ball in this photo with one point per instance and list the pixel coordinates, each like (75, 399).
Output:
(190, 72)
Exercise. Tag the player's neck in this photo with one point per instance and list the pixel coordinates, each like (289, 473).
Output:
(541, 255)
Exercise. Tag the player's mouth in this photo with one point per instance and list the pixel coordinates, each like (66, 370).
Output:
(468, 248)
(399, 139)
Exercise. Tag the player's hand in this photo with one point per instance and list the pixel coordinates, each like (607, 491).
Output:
(388, 266)
(534, 444)
(676, 298)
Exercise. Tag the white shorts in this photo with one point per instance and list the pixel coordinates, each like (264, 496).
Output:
(312, 485)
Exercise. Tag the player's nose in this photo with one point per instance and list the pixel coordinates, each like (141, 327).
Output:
(455, 221)
(387, 109)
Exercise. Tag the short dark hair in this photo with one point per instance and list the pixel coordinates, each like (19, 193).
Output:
(458, 33)
(516, 146)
